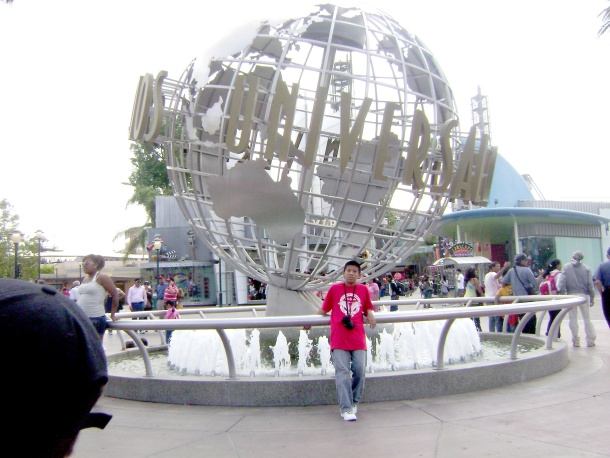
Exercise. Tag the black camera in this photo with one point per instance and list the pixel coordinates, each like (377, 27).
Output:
(347, 322)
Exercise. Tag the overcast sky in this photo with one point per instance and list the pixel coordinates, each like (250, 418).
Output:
(69, 71)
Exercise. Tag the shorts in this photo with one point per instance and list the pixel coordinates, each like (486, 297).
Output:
(100, 323)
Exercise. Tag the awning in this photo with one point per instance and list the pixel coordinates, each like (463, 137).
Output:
(497, 225)
(462, 261)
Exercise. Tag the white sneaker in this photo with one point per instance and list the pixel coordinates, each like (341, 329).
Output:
(348, 416)
(355, 408)
(576, 342)
(590, 344)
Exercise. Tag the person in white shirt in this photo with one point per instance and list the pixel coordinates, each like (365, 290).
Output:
(459, 283)
(492, 286)
(136, 297)
(74, 291)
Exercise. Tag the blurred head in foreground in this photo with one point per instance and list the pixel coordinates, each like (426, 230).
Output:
(53, 370)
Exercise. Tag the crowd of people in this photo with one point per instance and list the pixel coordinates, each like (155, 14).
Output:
(575, 278)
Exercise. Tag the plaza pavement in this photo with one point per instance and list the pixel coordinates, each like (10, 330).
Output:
(562, 415)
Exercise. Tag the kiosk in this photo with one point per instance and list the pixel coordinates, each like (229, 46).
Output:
(447, 267)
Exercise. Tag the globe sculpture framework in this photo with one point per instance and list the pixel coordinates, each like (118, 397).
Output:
(328, 138)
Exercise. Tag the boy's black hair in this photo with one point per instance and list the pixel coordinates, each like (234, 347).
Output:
(352, 263)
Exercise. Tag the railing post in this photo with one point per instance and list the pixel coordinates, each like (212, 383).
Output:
(520, 326)
(229, 351)
(442, 339)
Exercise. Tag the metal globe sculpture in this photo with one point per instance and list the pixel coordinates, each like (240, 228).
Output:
(329, 137)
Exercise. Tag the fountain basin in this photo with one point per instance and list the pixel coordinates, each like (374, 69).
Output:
(320, 390)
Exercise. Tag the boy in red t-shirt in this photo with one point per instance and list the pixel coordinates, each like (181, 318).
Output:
(349, 302)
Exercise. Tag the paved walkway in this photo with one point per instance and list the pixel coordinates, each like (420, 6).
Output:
(563, 415)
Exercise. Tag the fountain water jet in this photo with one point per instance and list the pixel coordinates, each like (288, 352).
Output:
(395, 347)
(281, 357)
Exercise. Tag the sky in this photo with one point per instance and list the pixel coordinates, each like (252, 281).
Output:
(69, 70)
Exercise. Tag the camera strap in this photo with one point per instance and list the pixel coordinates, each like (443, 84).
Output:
(347, 302)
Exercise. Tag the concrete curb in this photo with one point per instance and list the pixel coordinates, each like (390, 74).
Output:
(310, 390)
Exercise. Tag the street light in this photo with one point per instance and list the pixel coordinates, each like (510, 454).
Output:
(41, 238)
(157, 244)
(219, 262)
(16, 239)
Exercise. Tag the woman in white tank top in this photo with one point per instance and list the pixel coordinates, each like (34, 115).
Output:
(93, 291)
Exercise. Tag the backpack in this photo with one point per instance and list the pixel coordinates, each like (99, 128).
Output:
(394, 289)
(548, 287)
(400, 288)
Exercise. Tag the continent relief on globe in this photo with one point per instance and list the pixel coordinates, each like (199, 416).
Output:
(248, 190)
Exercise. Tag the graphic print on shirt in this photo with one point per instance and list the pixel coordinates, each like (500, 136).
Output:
(354, 304)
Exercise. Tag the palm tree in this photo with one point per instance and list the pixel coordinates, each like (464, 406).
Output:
(605, 15)
(137, 239)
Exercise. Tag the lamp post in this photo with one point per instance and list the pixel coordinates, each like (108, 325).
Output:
(220, 281)
(40, 239)
(157, 244)
(219, 262)
(16, 239)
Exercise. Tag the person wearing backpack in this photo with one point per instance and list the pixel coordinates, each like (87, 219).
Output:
(548, 286)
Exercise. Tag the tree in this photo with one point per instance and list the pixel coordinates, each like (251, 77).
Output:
(27, 250)
(8, 222)
(605, 15)
(149, 179)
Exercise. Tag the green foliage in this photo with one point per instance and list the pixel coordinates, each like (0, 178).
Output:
(392, 218)
(431, 240)
(27, 250)
(136, 237)
(8, 222)
(148, 177)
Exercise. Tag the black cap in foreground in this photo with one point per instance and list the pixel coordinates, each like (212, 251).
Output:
(53, 369)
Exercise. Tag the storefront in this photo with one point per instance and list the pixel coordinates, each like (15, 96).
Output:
(195, 278)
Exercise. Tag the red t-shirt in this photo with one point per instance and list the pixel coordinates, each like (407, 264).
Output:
(335, 302)
(171, 292)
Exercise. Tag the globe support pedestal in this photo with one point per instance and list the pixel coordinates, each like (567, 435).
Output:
(284, 302)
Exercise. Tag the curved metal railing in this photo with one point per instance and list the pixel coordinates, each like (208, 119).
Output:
(451, 309)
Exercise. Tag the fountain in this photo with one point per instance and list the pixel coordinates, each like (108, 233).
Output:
(290, 366)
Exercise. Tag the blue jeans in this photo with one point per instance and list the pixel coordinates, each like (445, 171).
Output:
(495, 323)
(137, 306)
(100, 323)
(349, 385)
